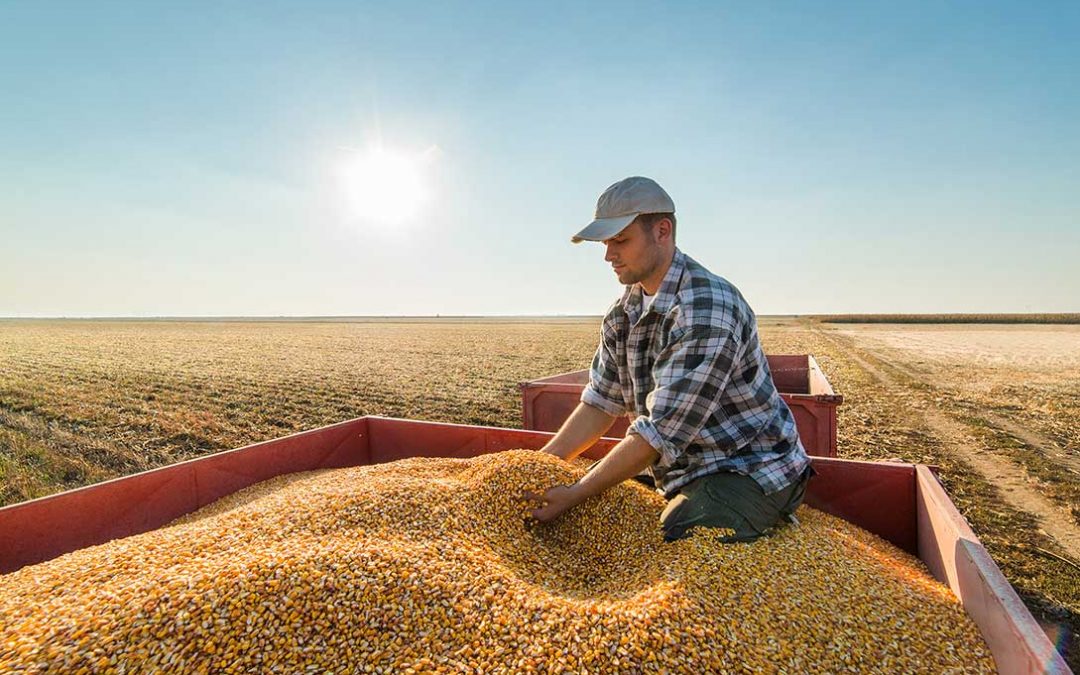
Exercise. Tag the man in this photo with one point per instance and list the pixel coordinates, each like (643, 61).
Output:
(679, 353)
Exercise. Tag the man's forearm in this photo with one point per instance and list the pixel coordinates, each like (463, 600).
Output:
(584, 426)
(630, 457)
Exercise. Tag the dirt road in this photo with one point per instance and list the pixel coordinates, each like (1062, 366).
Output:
(945, 423)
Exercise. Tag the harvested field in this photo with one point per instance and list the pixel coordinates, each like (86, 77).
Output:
(993, 407)
(1016, 389)
(82, 401)
(1063, 318)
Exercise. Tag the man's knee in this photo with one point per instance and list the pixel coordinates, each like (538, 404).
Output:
(674, 520)
(704, 504)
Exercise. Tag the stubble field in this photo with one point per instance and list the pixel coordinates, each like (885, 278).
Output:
(995, 407)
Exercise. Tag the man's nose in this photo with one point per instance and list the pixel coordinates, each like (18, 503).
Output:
(607, 253)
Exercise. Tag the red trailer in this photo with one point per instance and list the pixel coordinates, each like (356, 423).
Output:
(548, 401)
(903, 503)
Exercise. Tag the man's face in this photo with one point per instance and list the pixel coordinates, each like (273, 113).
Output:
(633, 254)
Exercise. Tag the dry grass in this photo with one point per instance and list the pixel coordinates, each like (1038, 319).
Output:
(81, 401)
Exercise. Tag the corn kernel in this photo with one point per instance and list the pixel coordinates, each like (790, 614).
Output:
(432, 566)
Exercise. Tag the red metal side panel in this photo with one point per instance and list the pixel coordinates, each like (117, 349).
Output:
(876, 496)
(813, 431)
(546, 405)
(617, 430)
(41, 529)
(832, 428)
(528, 397)
(956, 557)
(393, 439)
(816, 422)
(790, 372)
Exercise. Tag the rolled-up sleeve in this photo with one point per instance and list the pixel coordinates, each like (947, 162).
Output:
(690, 375)
(604, 390)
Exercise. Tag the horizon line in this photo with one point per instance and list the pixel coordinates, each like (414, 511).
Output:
(341, 317)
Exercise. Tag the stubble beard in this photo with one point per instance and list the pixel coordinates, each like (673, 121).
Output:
(630, 277)
(627, 278)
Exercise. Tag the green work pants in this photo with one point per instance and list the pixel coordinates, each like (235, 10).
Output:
(732, 501)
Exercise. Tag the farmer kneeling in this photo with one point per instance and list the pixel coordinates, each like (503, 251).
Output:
(680, 352)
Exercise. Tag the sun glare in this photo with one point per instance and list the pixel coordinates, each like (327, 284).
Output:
(386, 186)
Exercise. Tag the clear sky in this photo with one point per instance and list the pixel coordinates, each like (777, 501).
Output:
(184, 158)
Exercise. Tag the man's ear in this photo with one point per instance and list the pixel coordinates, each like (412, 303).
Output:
(663, 229)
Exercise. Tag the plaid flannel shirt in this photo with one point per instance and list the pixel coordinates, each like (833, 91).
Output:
(691, 372)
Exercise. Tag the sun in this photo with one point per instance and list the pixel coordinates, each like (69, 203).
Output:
(386, 186)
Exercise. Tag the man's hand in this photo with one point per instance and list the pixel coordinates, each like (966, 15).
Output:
(554, 502)
(628, 458)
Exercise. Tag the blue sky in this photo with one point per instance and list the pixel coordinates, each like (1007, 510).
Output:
(162, 159)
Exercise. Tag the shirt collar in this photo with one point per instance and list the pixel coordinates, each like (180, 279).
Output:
(665, 295)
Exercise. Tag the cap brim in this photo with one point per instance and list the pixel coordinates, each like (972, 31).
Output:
(603, 228)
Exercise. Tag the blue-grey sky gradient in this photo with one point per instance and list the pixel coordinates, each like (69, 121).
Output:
(164, 159)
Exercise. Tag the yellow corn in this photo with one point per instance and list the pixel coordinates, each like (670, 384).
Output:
(430, 565)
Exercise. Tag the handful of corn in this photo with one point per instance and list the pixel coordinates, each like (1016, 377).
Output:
(432, 566)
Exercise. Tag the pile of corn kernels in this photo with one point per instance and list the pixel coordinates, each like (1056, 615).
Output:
(431, 565)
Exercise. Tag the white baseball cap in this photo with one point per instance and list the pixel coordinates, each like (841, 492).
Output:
(621, 203)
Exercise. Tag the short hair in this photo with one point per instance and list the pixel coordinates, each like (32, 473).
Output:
(647, 220)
